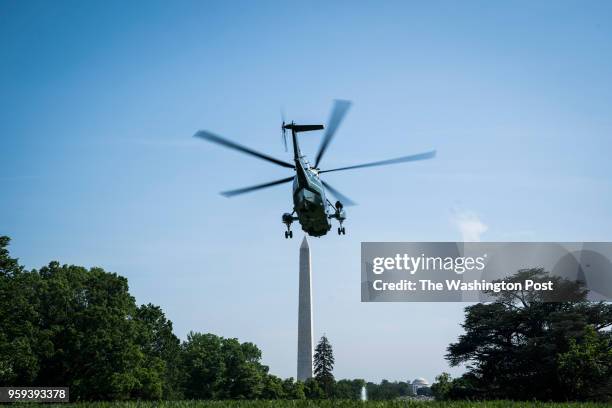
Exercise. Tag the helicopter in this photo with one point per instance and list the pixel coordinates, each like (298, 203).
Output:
(311, 207)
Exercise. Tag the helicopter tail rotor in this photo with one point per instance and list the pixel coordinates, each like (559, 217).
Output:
(283, 130)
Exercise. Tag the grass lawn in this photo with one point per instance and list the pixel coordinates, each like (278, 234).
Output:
(330, 404)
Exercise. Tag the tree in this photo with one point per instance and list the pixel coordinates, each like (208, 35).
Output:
(160, 346)
(90, 320)
(513, 345)
(68, 325)
(243, 374)
(324, 365)
(219, 368)
(293, 389)
(203, 365)
(313, 390)
(272, 388)
(442, 386)
(388, 390)
(586, 368)
(348, 389)
(21, 339)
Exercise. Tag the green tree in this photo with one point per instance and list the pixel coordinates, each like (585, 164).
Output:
(272, 388)
(203, 365)
(90, 319)
(293, 389)
(388, 390)
(313, 390)
(348, 389)
(324, 365)
(586, 368)
(465, 387)
(243, 375)
(220, 368)
(21, 338)
(513, 344)
(68, 325)
(160, 347)
(441, 387)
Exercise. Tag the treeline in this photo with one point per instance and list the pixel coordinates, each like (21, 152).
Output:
(66, 325)
(391, 390)
(522, 346)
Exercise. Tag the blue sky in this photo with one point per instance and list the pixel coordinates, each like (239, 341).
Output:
(99, 102)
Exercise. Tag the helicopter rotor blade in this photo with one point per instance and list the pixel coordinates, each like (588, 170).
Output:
(343, 199)
(232, 193)
(414, 157)
(339, 110)
(211, 137)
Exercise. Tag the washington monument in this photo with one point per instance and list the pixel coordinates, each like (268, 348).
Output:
(304, 353)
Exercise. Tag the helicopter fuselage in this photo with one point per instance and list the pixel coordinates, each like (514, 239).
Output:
(309, 201)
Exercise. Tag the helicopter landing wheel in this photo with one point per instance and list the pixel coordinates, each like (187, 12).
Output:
(339, 231)
(288, 234)
(343, 231)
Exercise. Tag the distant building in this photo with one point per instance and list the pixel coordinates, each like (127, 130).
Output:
(419, 383)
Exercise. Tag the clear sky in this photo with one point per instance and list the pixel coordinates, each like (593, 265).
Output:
(99, 102)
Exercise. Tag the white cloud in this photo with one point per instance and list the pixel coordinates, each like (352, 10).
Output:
(469, 224)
